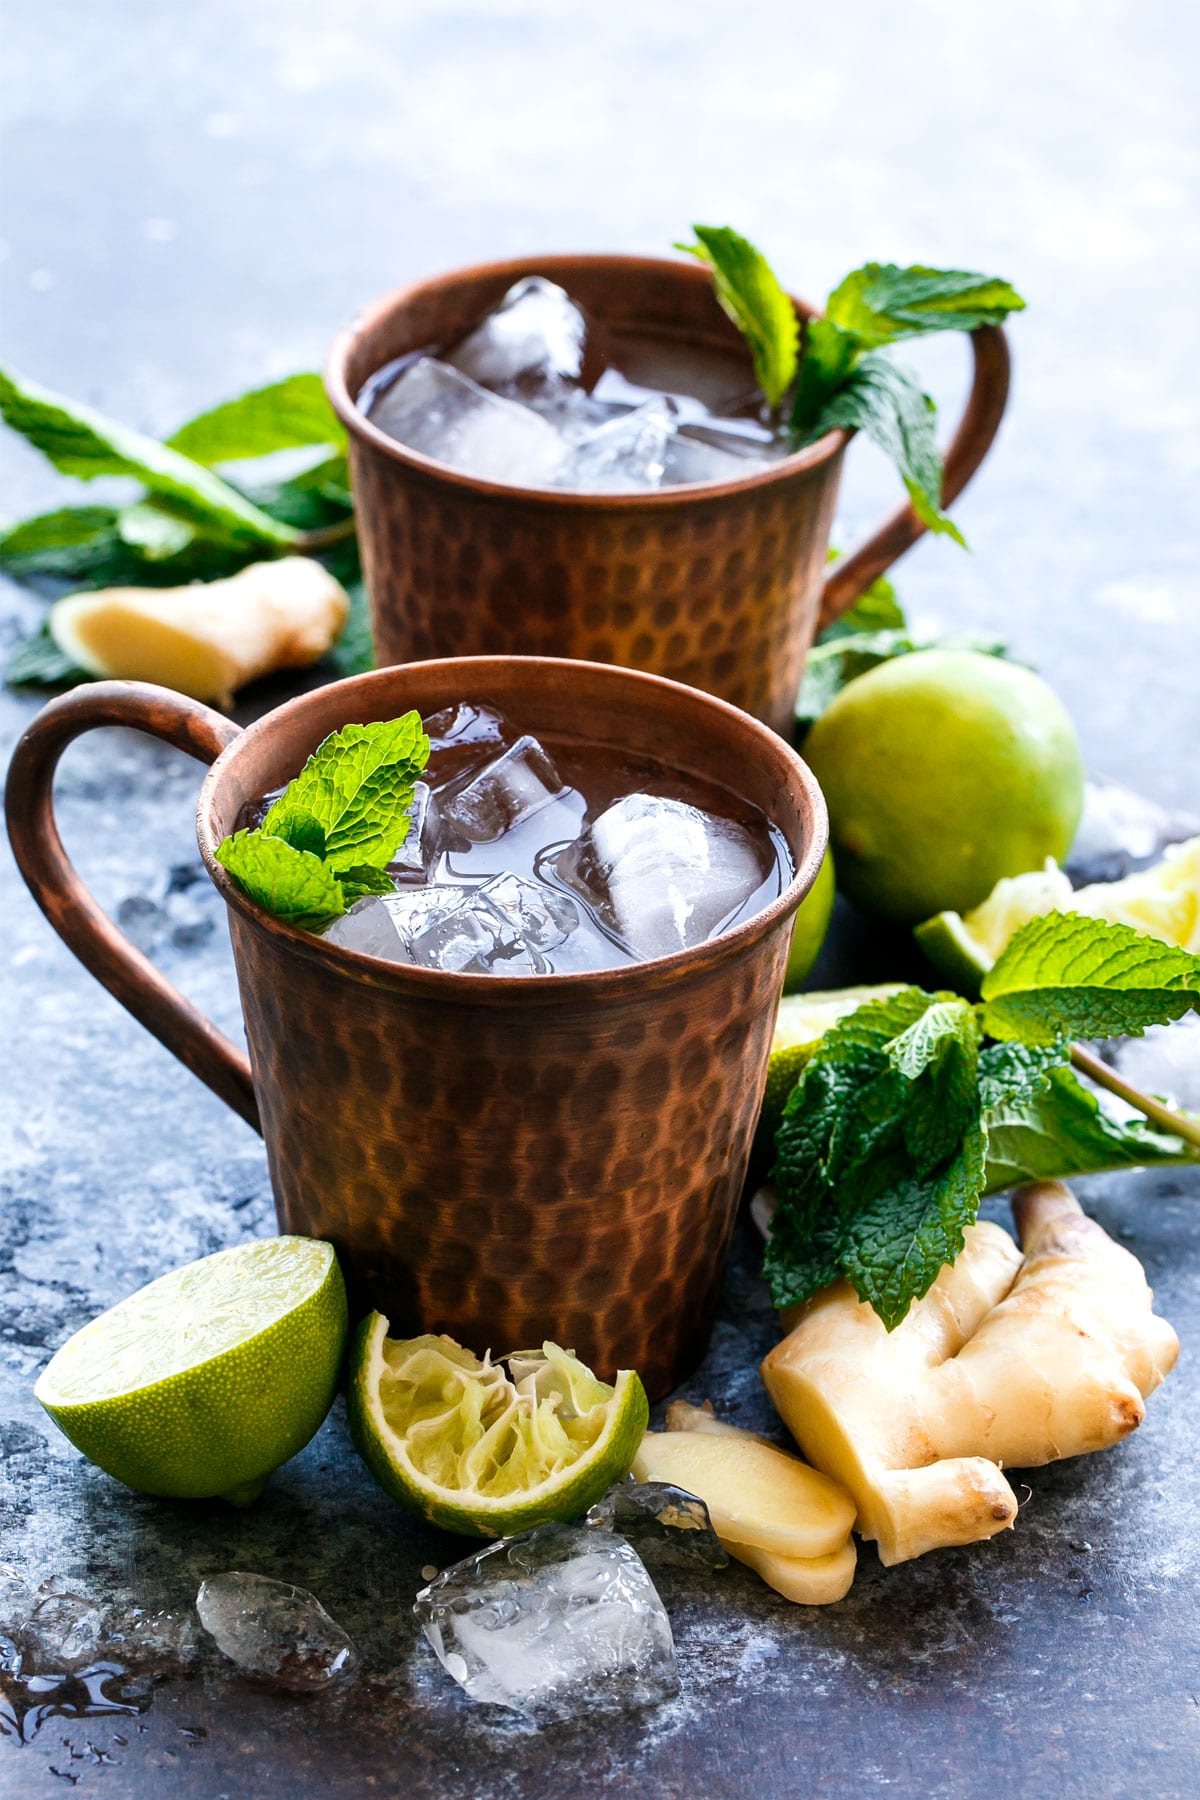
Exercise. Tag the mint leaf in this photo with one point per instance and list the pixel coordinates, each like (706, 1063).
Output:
(1011, 1075)
(894, 1248)
(1059, 1129)
(315, 497)
(358, 786)
(751, 295)
(363, 879)
(834, 662)
(285, 415)
(38, 661)
(880, 302)
(829, 356)
(1068, 975)
(57, 542)
(354, 652)
(79, 441)
(888, 403)
(938, 1055)
(153, 532)
(876, 609)
(293, 884)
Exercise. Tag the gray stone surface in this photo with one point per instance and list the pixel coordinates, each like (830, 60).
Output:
(195, 198)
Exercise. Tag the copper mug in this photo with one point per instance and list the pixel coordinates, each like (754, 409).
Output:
(723, 586)
(502, 1159)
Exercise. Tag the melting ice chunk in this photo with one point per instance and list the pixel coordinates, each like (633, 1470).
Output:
(419, 851)
(624, 456)
(442, 413)
(536, 335)
(561, 1621)
(503, 793)
(1121, 828)
(666, 1526)
(501, 927)
(277, 1633)
(55, 1628)
(661, 874)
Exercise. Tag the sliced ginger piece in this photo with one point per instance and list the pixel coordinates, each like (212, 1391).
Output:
(211, 637)
(1008, 1361)
(757, 1496)
(808, 1580)
(682, 1415)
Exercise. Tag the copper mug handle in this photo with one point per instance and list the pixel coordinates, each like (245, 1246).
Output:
(71, 909)
(852, 575)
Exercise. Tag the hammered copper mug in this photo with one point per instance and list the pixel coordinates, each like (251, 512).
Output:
(722, 585)
(503, 1159)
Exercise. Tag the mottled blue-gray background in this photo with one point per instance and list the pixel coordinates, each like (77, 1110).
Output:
(193, 199)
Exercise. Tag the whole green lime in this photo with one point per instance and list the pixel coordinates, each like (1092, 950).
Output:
(811, 924)
(944, 771)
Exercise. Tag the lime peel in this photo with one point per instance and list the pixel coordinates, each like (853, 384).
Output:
(482, 1449)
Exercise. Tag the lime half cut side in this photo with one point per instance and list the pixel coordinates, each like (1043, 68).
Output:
(207, 1379)
(488, 1448)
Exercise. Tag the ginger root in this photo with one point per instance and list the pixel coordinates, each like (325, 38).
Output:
(787, 1522)
(1012, 1359)
(211, 637)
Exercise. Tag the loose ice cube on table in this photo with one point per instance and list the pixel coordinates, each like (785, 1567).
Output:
(277, 1633)
(624, 456)
(668, 1527)
(1120, 829)
(537, 335)
(561, 1621)
(442, 413)
(418, 853)
(661, 874)
(504, 792)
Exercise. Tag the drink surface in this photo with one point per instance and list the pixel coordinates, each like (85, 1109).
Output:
(558, 857)
(540, 395)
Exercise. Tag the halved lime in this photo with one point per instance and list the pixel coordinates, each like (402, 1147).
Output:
(482, 1449)
(1163, 901)
(800, 1024)
(207, 1379)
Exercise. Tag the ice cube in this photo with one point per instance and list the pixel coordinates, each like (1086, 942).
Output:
(62, 1630)
(442, 413)
(661, 874)
(536, 335)
(1120, 829)
(625, 456)
(369, 928)
(666, 1526)
(462, 737)
(503, 793)
(560, 1621)
(419, 851)
(502, 927)
(541, 918)
(689, 458)
(277, 1633)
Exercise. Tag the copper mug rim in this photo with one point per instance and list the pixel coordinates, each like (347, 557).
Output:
(345, 404)
(488, 989)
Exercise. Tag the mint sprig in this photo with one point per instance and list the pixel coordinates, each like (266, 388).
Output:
(915, 1105)
(327, 840)
(840, 381)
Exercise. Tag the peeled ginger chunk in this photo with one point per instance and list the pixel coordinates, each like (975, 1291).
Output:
(211, 637)
(782, 1519)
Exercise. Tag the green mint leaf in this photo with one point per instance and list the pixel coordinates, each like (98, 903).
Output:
(37, 661)
(831, 664)
(1059, 1129)
(798, 1263)
(358, 786)
(896, 1245)
(876, 609)
(286, 415)
(79, 441)
(751, 295)
(888, 403)
(829, 356)
(939, 1056)
(1012, 1074)
(57, 541)
(315, 497)
(303, 832)
(293, 884)
(880, 302)
(1066, 975)
(354, 652)
(362, 880)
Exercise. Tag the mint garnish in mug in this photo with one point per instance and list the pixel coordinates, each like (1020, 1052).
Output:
(833, 373)
(327, 840)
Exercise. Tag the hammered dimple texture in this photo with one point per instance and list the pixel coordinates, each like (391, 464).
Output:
(568, 1170)
(720, 592)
